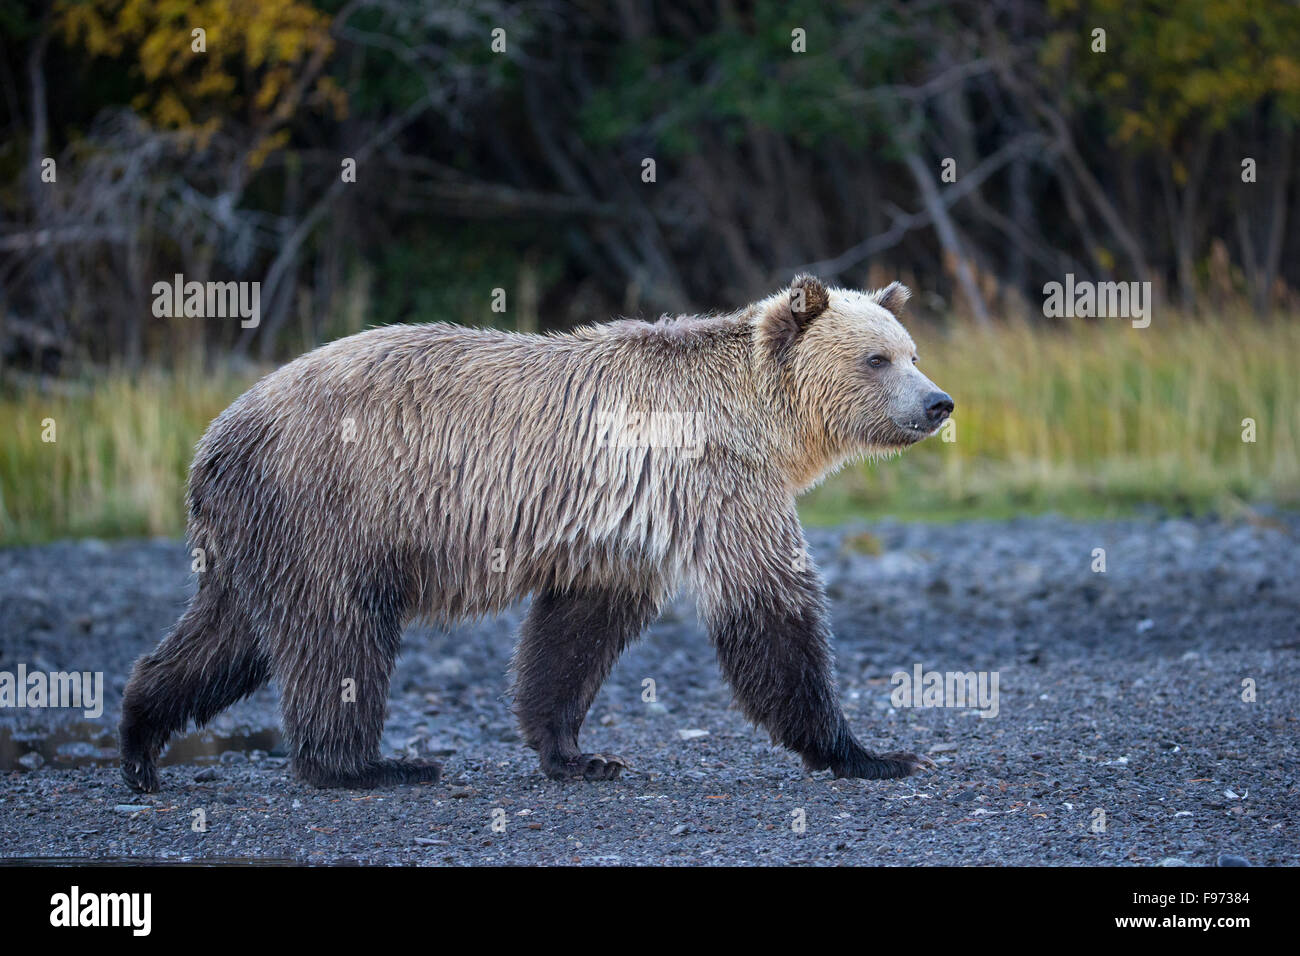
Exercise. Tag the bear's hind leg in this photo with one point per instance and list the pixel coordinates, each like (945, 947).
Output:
(209, 661)
(567, 647)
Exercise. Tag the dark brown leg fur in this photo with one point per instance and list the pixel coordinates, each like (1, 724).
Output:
(209, 661)
(778, 661)
(335, 673)
(567, 647)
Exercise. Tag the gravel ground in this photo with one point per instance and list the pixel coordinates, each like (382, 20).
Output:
(1119, 692)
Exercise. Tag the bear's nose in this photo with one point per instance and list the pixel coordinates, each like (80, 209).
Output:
(938, 406)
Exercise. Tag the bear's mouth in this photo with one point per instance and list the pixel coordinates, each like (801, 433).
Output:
(912, 432)
(898, 435)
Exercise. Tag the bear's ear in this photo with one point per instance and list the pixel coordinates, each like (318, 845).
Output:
(791, 313)
(892, 297)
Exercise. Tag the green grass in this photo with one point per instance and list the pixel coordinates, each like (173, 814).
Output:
(1082, 419)
(118, 463)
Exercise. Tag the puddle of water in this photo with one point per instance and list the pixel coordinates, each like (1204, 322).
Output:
(90, 745)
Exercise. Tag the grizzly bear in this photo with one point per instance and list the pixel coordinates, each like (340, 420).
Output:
(440, 472)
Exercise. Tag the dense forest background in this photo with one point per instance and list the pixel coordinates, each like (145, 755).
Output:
(376, 161)
(522, 168)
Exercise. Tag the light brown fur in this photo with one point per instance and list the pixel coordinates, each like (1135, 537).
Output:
(445, 472)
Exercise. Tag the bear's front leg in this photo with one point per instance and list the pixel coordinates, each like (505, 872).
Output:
(567, 646)
(767, 617)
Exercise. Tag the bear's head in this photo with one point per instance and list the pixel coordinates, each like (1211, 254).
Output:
(848, 368)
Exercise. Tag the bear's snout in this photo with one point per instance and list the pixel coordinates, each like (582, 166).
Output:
(938, 406)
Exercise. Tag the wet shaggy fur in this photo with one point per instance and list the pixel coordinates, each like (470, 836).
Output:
(441, 472)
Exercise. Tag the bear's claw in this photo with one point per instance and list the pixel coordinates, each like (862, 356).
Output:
(918, 762)
(866, 765)
(588, 767)
(141, 775)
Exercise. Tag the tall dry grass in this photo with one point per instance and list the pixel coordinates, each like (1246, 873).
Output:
(118, 463)
(1094, 418)
(1082, 418)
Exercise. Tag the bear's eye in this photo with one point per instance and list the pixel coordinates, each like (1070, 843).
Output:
(877, 360)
